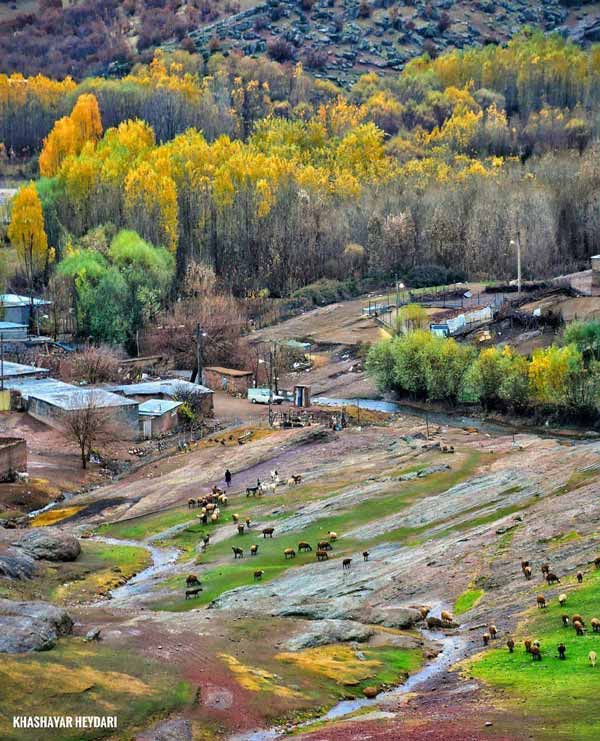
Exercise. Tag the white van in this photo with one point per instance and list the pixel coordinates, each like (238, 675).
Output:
(261, 396)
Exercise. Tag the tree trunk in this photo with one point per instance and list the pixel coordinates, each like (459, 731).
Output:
(83, 457)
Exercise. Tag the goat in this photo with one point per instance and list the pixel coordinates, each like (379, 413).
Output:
(424, 610)
(240, 529)
(274, 475)
(214, 518)
(253, 550)
(446, 616)
(536, 654)
(551, 578)
(268, 531)
(332, 536)
(562, 598)
(486, 639)
(258, 575)
(289, 553)
(322, 555)
(578, 618)
(579, 577)
(545, 568)
(511, 645)
(346, 563)
(578, 628)
(597, 562)
(592, 659)
(524, 564)
(296, 478)
(595, 623)
(191, 503)
(192, 580)
(324, 545)
(248, 521)
(189, 593)
(527, 644)
(493, 631)
(365, 555)
(561, 650)
(237, 552)
(541, 600)
(527, 572)
(565, 620)
(253, 491)
(303, 546)
(235, 517)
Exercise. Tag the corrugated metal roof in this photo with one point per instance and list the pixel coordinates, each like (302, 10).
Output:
(157, 407)
(168, 386)
(12, 299)
(228, 371)
(12, 370)
(64, 395)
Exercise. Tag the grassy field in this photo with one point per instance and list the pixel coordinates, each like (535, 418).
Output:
(570, 685)
(78, 678)
(467, 600)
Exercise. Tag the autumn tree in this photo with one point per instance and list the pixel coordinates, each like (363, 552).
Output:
(87, 423)
(27, 234)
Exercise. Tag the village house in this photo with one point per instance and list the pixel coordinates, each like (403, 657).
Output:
(158, 417)
(228, 379)
(171, 389)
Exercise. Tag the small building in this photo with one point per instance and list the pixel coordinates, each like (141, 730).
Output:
(158, 417)
(12, 371)
(17, 309)
(228, 379)
(13, 457)
(173, 389)
(12, 331)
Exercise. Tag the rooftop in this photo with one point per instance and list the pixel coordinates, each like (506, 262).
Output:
(156, 407)
(168, 387)
(12, 299)
(65, 395)
(13, 370)
(228, 371)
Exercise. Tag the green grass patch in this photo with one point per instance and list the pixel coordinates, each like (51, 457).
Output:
(144, 527)
(561, 692)
(77, 678)
(467, 600)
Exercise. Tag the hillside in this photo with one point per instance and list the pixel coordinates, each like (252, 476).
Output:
(336, 39)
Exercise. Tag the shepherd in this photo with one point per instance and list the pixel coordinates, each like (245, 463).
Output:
(228, 478)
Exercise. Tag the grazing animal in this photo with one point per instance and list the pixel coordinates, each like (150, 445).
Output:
(541, 600)
(248, 521)
(511, 645)
(346, 563)
(578, 618)
(527, 572)
(578, 627)
(365, 555)
(536, 654)
(289, 553)
(561, 651)
(565, 619)
(493, 632)
(237, 552)
(258, 575)
(592, 658)
(191, 503)
(189, 593)
(191, 580)
(253, 550)
(446, 616)
(424, 611)
(332, 536)
(303, 546)
(486, 638)
(268, 531)
(527, 644)
(274, 475)
(253, 491)
(595, 623)
(524, 564)
(562, 598)
(211, 507)
(545, 568)
(235, 517)
(204, 518)
(206, 539)
(536, 643)
(322, 555)
(597, 562)
(214, 518)
(324, 545)
(579, 577)
(551, 578)
(296, 479)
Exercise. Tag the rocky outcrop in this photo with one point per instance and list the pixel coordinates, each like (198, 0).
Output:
(49, 544)
(330, 631)
(395, 616)
(15, 564)
(31, 626)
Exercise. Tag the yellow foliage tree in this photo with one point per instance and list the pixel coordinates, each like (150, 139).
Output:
(151, 205)
(27, 234)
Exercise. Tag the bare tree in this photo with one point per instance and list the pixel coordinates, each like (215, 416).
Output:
(86, 423)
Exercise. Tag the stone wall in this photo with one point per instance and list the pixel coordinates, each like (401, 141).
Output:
(13, 457)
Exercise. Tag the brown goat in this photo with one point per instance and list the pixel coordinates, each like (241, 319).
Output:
(322, 555)
(446, 616)
(289, 553)
(268, 531)
(579, 577)
(493, 631)
(527, 644)
(258, 575)
(253, 550)
(541, 600)
(578, 618)
(191, 503)
(536, 654)
(303, 546)
(237, 552)
(524, 564)
(597, 562)
(240, 529)
(324, 545)
(486, 638)
(527, 572)
(424, 611)
(595, 623)
(511, 645)
(346, 563)
(551, 578)
(578, 627)
(191, 580)
(545, 568)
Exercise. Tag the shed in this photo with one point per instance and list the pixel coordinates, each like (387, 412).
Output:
(169, 388)
(13, 331)
(228, 379)
(17, 309)
(11, 371)
(158, 416)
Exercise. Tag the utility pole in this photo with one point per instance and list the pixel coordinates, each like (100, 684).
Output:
(1, 362)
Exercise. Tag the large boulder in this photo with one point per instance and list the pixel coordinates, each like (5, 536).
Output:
(325, 632)
(49, 544)
(15, 564)
(395, 616)
(31, 626)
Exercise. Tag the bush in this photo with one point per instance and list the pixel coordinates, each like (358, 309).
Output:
(424, 276)
(327, 291)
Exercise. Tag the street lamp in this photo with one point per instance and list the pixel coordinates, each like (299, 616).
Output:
(518, 245)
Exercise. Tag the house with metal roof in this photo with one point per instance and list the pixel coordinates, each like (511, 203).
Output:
(17, 309)
(228, 379)
(10, 371)
(158, 417)
(174, 389)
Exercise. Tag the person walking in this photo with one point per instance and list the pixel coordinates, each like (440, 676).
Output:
(228, 478)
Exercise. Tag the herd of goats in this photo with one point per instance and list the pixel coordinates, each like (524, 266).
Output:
(576, 620)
